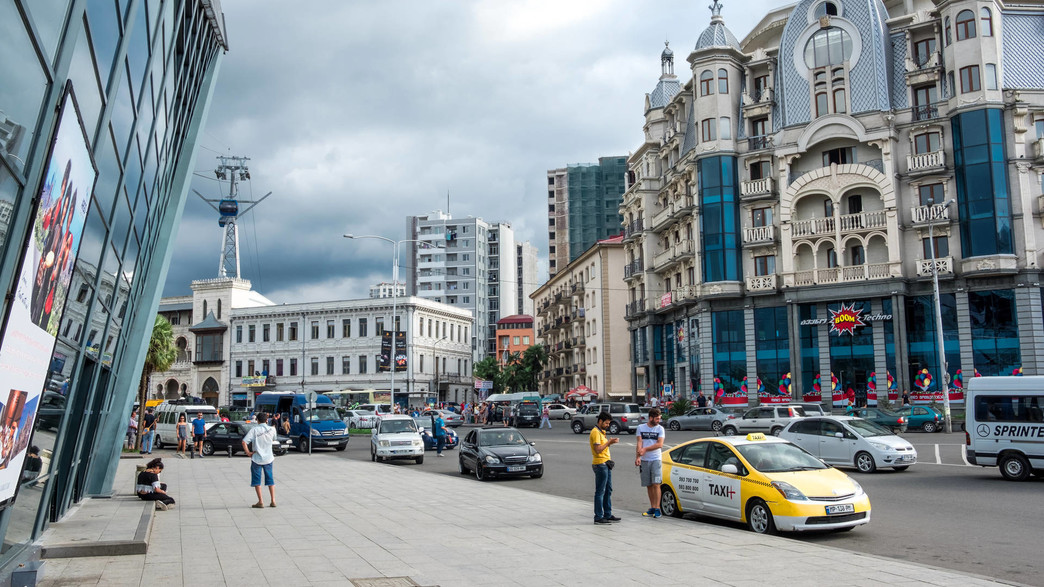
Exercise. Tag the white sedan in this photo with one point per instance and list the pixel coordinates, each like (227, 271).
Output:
(560, 412)
(849, 441)
(360, 419)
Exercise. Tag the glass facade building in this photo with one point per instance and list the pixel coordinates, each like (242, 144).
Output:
(142, 73)
(583, 207)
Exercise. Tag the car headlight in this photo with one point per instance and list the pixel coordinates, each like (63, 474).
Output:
(879, 446)
(858, 487)
(417, 442)
(385, 443)
(316, 432)
(492, 459)
(534, 458)
(789, 491)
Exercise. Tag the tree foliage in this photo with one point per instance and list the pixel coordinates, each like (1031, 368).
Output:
(521, 371)
(161, 355)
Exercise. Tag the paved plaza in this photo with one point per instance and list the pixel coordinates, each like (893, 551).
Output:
(340, 521)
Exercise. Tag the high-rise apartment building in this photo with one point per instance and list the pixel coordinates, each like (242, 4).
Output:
(468, 263)
(102, 107)
(789, 205)
(526, 271)
(386, 289)
(583, 207)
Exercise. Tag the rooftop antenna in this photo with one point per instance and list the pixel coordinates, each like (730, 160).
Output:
(232, 169)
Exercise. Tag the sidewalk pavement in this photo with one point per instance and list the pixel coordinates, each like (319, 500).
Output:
(340, 520)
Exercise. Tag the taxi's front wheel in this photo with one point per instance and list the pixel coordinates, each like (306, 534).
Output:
(759, 517)
(669, 502)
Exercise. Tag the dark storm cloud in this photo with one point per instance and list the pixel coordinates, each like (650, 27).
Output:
(357, 114)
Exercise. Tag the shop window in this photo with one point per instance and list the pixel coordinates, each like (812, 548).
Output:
(706, 83)
(965, 24)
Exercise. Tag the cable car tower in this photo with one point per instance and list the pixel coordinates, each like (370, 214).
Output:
(232, 169)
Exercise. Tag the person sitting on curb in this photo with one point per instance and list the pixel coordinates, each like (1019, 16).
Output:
(149, 487)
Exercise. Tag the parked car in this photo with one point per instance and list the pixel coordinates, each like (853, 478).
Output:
(359, 419)
(848, 441)
(426, 425)
(768, 483)
(52, 408)
(225, 435)
(451, 418)
(771, 419)
(499, 452)
(811, 408)
(525, 414)
(379, 410)
(700, 419)
(625, 417)
(560, 412)
(923, 417)
(882, 417)
(396, 437)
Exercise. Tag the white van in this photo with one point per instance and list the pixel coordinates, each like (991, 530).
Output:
(167, 415)
(1004, 425)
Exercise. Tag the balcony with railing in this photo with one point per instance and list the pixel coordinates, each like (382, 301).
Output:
(1038, 150)
(634, 308)
(812, 227)
(759, 143)
(661, 218)
(926, 162)
(683, 206)
(633, 268)
(931, 213)
(758, 103)
(757, 187)
(761, 284)
(925, 112)
(944, 265)
(759, 234)
(633, 228)
(923, 69)
(872, 220)
(847, 274)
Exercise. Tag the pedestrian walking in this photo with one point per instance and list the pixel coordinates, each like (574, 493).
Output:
(149, 487)
(440, 432)
(545, 418)
(183, 435)
(132, 430)
(149, 427)
(602, 465)
(906, 397)
(199, 433)
(257, 444)
(649, 460)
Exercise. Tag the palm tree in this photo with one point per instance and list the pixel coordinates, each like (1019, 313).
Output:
(161, 355)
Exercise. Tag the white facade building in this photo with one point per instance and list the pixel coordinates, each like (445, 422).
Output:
(385, 289)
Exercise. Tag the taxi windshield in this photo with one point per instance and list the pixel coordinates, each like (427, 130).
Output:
(868, 429)
(779, 457)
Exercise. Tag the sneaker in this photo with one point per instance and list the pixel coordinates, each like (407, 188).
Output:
(161, 506)
(171, 506)
(649, 512)
(657, 514)
(440, 454)
(613, 519)
(602, 521)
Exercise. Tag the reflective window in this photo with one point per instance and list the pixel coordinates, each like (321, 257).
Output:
(83, 75)
(22, 84)
(9, 189)
(829, 46)
(994, 331)
(138, 50)
(49, 18)
(981, 177)
(122, 118)
(706, 83)
(108, 173)
(987, 22)
(105, 34)
(965, 25)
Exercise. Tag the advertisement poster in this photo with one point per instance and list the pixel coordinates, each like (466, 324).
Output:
(386, 358)
(41, 289)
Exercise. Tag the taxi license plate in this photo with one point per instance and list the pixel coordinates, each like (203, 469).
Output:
(843, 508)
(516, 468)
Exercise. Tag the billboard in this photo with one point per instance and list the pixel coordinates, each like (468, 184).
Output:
(386, 357)
(42, 288)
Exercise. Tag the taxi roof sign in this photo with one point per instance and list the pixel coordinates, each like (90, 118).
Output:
(755, 436)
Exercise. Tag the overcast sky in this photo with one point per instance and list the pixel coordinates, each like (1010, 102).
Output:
(356, 114)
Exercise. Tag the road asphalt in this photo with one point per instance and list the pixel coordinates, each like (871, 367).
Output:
(345, 522)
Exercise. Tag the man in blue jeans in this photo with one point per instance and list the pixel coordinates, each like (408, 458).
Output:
(257, 444)
(148, 425)
(603, 502)
(440, 433)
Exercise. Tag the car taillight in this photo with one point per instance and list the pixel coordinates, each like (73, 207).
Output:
(902, 420)
(624, 419)
(967, 438)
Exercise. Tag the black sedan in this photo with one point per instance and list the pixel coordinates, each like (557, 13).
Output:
(499, 452)
(225, 435)
(891, 420)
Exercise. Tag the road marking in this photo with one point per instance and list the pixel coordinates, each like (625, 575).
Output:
(938, 459)
(964, 455)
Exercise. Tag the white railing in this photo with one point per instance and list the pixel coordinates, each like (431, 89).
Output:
(756, 187)
(944, 265)
(757, 234)
(839, 274)
(761, 283)
(924, 161)
(662, 216)
(683, 248)
(912, 65)
(812, 226)
(864, 220)
(663, 257)
(1038, 148)
(933, 213)
(688, 292)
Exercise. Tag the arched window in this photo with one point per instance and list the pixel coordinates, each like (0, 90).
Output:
(829, 46)
(723, 81)
(946, 28)
(822, 108)
(987, 22)
(965, 24)
(706, 83)
(826, 9)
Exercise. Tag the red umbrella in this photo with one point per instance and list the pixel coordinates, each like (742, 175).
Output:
(581, 391)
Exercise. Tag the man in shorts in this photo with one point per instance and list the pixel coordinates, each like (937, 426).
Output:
(199, 433)
(257, 444)
(648, 458)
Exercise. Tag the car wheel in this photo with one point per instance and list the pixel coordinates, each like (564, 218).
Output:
(903, 468)
(759, 518)
(480, 474)
(208, 448)
(864, 461)
(373, 454)
(775, 431)
(729, 431)
(716, 426)
(1014, 467)
(420, 460)
(156, 441)
(674, 425)
(566, 416)
(930, 427)
(578, 428)
(302, 444)
(460, 466)
(614, 428)
(669, 503)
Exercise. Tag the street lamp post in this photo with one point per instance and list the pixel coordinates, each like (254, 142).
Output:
(948, 422)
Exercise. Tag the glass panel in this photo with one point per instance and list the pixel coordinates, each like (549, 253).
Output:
(9, 189)
(105, 34)
(108, 173)
(122, 118)
(49, 18)
(84, 77)
(138, 50)
(22, 84)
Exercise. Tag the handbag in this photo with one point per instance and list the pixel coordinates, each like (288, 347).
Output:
(610, 463)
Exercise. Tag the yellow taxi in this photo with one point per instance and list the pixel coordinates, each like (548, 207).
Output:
(763, 481)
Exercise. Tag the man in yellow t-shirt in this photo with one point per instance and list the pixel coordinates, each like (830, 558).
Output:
(603, 504)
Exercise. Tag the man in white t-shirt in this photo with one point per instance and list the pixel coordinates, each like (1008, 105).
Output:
(261, 458)
(649, 460)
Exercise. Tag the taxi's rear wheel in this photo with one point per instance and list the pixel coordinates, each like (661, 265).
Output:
(669, 503)
(759, 517)
(865, 462)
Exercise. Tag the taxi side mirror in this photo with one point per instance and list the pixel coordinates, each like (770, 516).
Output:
(730, 469)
